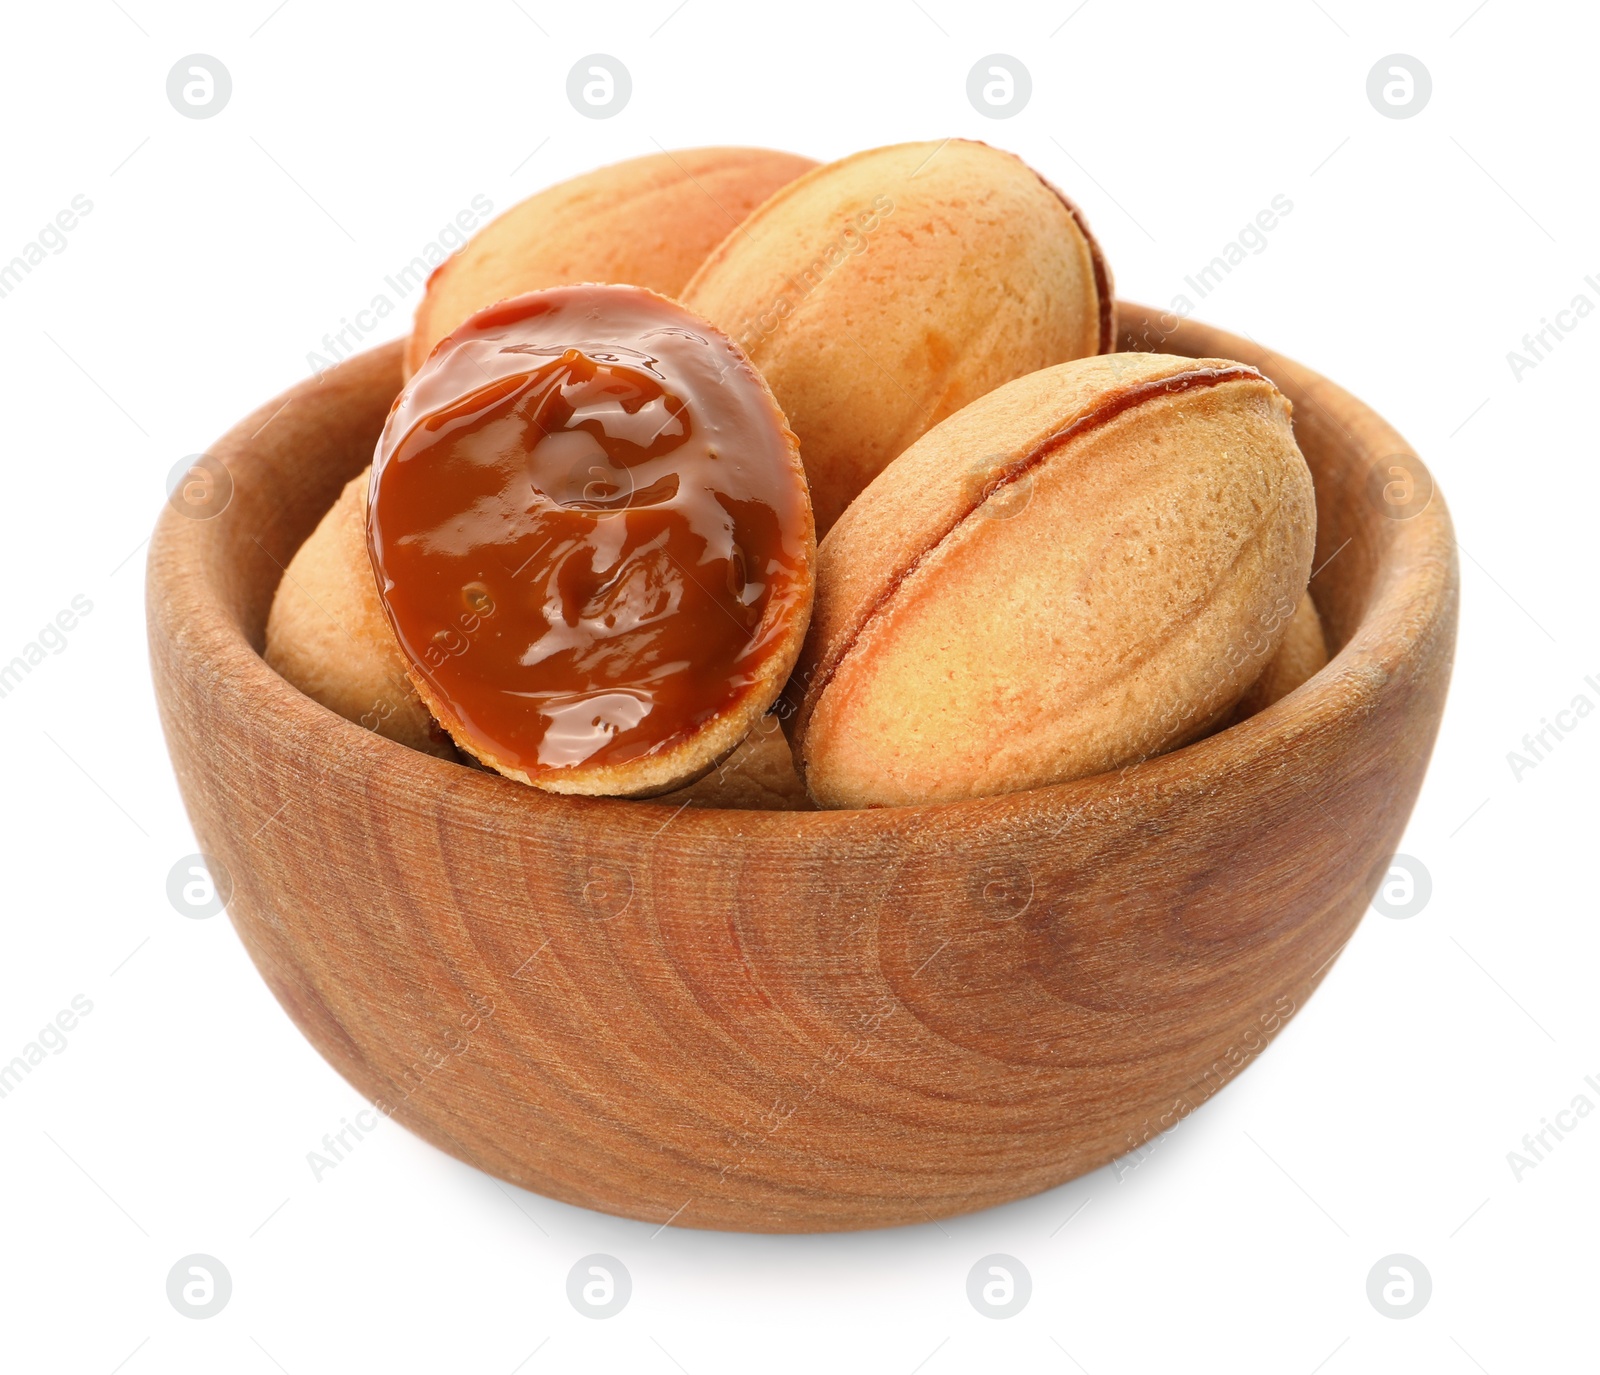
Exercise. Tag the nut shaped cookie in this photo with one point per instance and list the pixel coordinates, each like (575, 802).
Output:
(327, 634)
(649, 222)
(1082, 569)
(883, 292)
(1303, 653)
(758, 776)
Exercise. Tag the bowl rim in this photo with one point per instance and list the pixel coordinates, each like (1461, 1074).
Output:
(1412, 594)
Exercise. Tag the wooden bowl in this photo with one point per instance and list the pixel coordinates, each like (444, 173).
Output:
(796, 1021)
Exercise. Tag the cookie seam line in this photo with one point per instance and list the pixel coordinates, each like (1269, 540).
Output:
(1128, 398)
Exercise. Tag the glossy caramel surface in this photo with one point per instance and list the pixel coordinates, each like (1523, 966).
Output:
(589, 528)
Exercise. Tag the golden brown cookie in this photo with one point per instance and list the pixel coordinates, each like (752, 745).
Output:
(883, 292)
(1303, 653)
(327, 635)
(649, 221)
(1083, 568)
(758, 776)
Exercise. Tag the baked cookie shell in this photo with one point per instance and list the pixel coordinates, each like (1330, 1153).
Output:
(647, 222)
(882, 293)
(1104, 592)
(327, 633)
(758, 776)
(1302, 655)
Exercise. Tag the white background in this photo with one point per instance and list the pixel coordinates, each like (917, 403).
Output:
(218, 252)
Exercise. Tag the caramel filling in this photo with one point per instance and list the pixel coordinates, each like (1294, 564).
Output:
(587, 526)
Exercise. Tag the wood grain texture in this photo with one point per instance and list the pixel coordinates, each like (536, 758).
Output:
(794, 1021)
